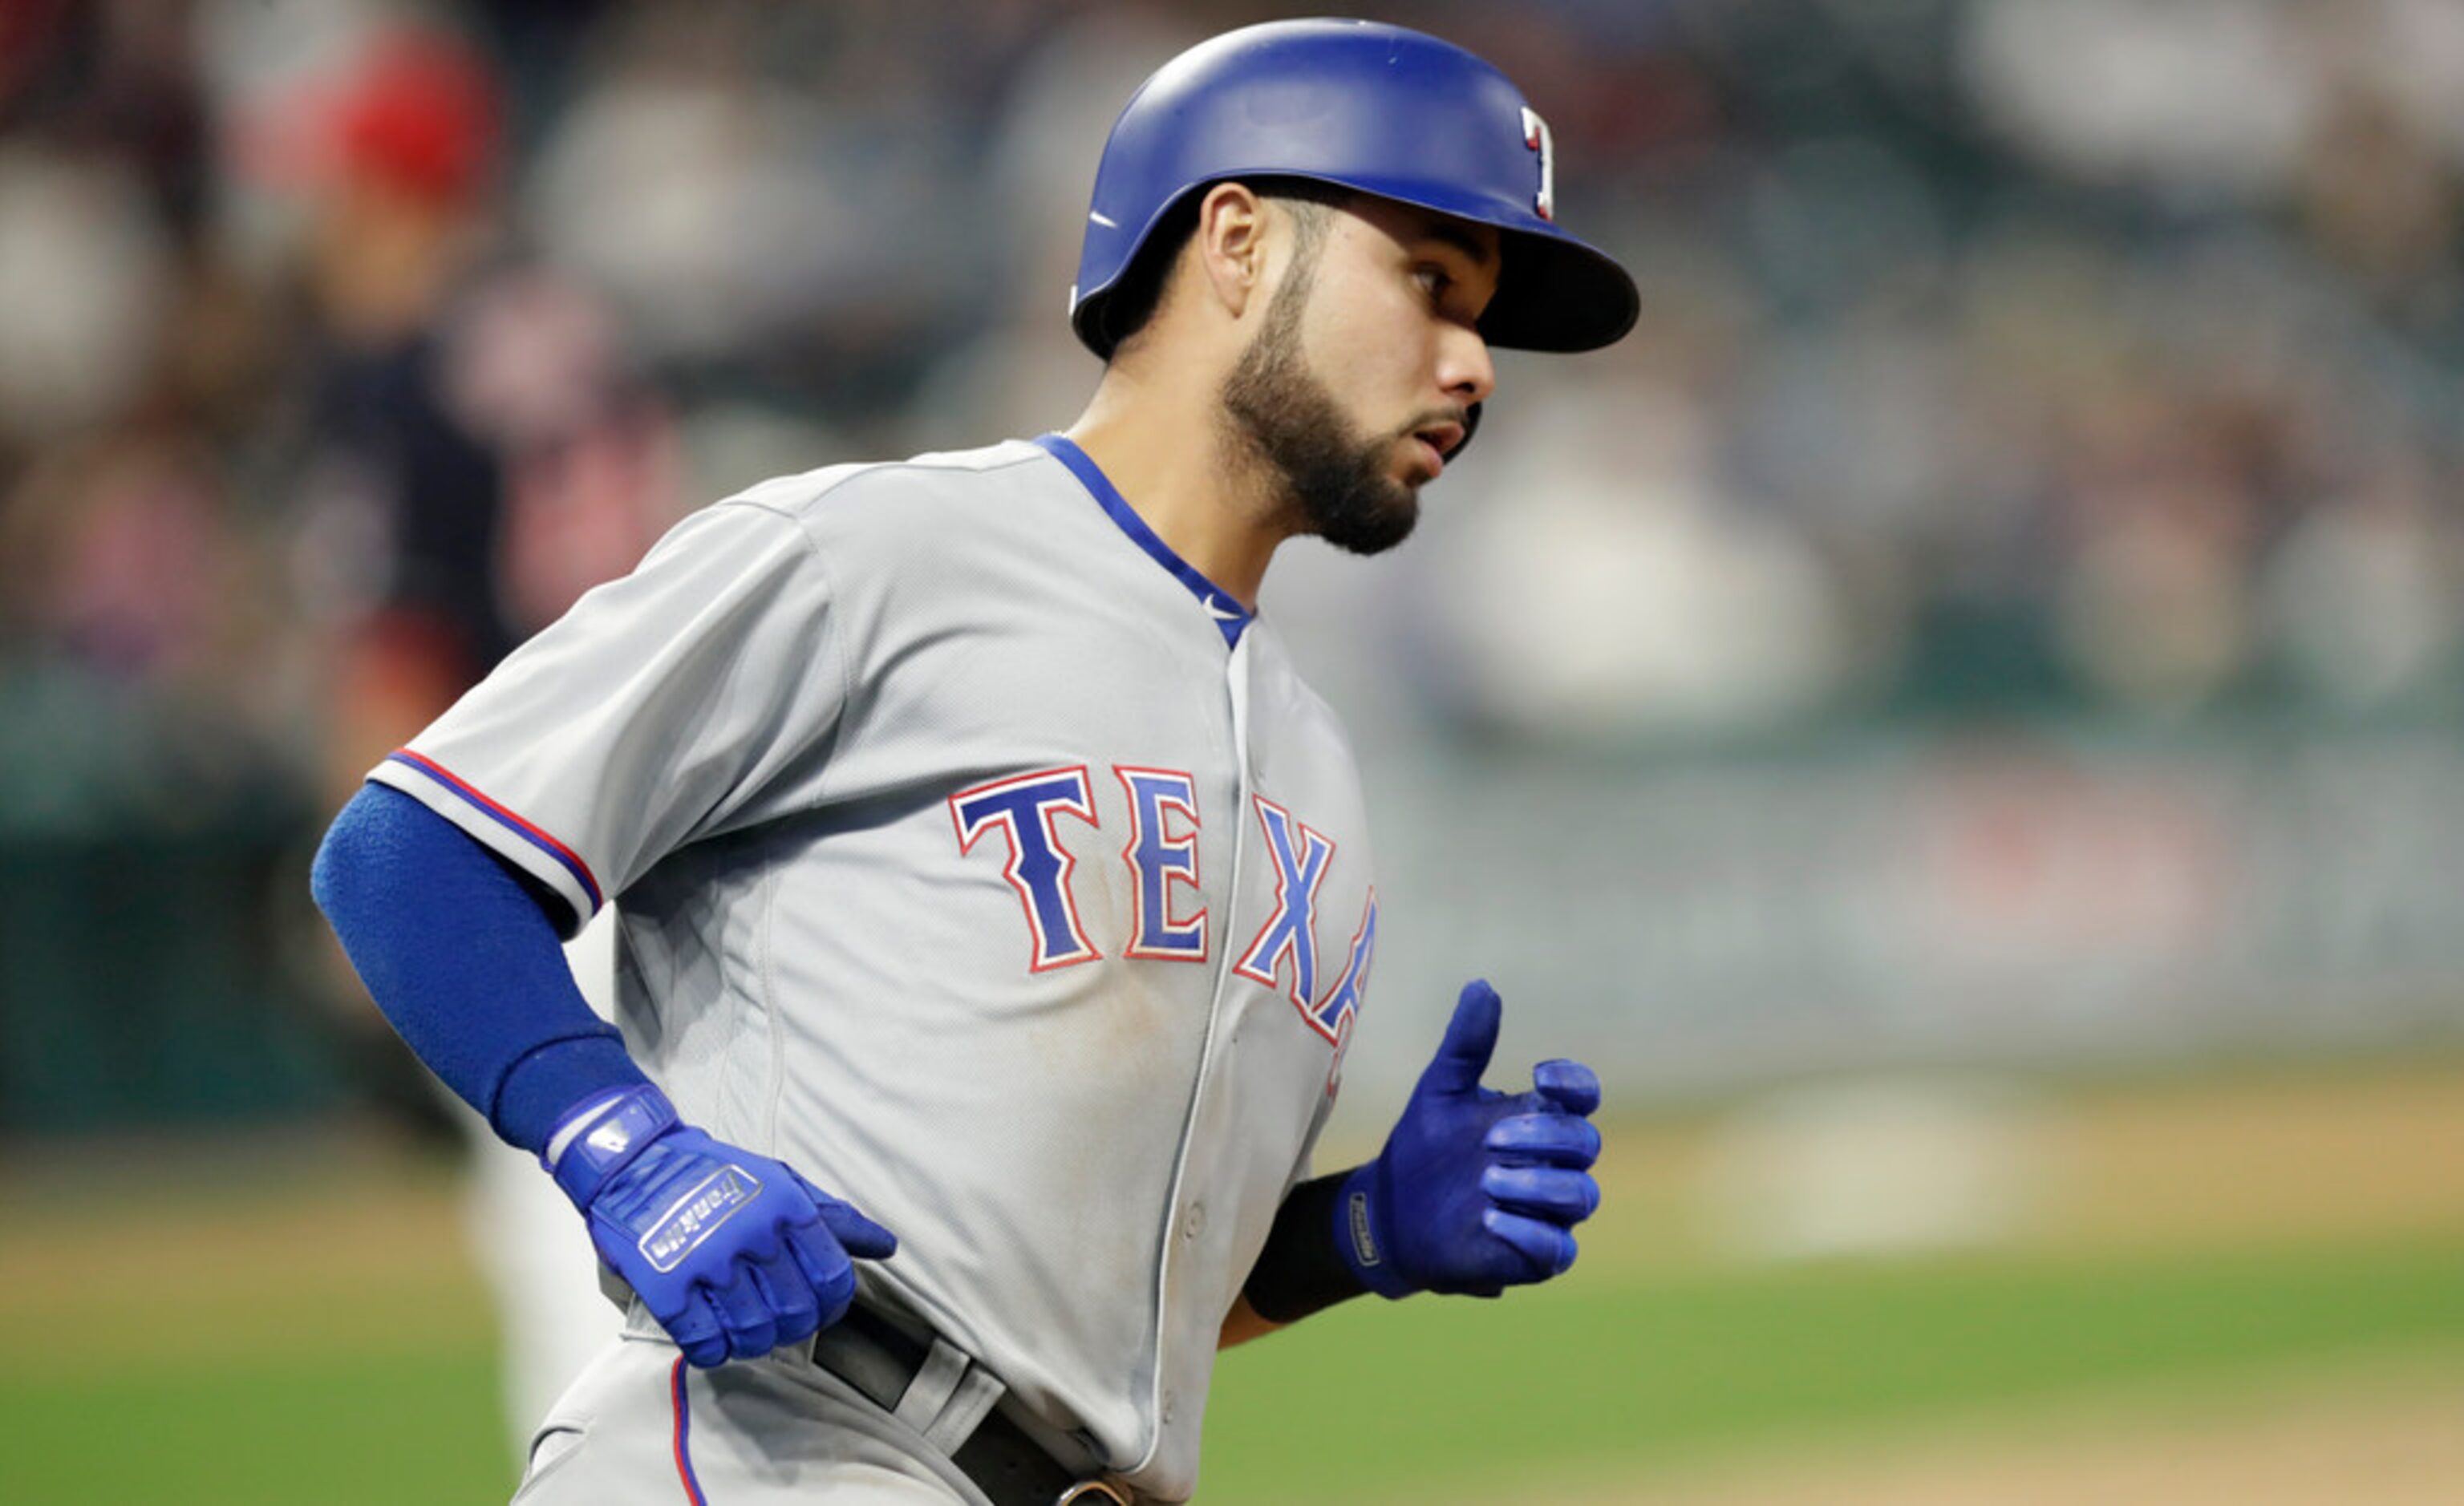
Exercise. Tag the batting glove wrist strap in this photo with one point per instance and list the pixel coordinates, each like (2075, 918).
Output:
(1364, 1235)
(604, 1136)
(1302, 1268)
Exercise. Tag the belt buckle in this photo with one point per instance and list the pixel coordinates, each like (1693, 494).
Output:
(1093, 1491)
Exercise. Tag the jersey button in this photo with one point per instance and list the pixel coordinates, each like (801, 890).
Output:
(1194, 1222)
(1167, 1407)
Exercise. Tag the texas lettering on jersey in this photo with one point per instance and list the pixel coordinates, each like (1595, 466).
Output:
(1162, 852)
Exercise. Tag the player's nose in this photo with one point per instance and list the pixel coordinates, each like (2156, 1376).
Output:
(1465, 369)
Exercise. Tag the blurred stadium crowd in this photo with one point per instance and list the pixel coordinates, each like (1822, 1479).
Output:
(2006, 356)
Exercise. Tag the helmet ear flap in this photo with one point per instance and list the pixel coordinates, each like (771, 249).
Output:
(1119, 311)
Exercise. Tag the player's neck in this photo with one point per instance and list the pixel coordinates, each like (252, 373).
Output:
(1164, 463)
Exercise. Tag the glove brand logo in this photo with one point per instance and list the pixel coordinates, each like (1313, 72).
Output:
(715, 1199)
(610, 1139)
(1364, 1244)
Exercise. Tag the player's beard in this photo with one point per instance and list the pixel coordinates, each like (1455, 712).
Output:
(1284, 418)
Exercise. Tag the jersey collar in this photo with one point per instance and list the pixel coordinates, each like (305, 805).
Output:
(1230, 616)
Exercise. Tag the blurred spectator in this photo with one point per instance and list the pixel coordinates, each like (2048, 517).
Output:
(803, 224)
(2366, 595)
(2380, 205)
(480, 451)
(85, 273)
(1607, 583)
(2194, 96)
(1023, 372)
(120, 558)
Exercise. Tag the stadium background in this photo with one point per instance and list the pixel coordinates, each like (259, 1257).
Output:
(1958, 716)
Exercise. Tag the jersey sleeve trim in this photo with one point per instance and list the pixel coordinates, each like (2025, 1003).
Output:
(537, 852)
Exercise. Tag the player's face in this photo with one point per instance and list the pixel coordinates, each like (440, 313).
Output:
(1384, 313)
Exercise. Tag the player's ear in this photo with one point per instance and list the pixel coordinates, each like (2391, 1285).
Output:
(1230, 246)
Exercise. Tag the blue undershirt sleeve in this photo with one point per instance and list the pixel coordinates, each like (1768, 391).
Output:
(466, 965)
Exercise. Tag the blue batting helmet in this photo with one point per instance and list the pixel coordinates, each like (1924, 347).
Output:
(1366, 106)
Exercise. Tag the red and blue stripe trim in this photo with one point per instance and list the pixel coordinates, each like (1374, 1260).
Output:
(564, 855)
(684, 1434)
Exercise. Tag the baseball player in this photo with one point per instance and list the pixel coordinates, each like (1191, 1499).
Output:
(995, 903)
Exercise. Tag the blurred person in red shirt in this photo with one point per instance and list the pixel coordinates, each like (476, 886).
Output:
(480, 451)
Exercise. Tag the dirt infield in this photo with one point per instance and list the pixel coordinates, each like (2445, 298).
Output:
(2387, 1435)
(2275, 1160)
(337, 1243)
(2268, 1161)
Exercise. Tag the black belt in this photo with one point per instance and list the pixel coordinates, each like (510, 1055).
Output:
(881, 1360)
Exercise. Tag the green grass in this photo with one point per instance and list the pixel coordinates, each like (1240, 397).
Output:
(382, 1429)
(1603, 1371)
(1372, 1399)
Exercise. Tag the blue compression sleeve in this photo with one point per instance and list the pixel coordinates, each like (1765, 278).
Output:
(465, 963)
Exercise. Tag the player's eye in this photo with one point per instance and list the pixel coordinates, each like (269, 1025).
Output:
(1433, 281)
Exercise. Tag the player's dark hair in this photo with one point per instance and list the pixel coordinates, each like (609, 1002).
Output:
(1130, 305)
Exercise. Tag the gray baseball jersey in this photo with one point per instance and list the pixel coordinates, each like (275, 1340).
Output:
(982, 861)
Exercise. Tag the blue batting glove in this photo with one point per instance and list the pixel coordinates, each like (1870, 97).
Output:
(1476, 1190)
(734, 1254)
